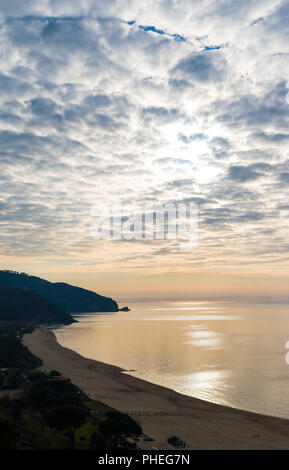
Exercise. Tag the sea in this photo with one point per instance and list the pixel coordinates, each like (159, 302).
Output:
(230, 353)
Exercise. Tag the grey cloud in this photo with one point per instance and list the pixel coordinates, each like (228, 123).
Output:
(97, 100)
(192, 137)
(179, 183)
(225, 217)
(196, 200)
(180, 84)
(220, 147)
(284, 177)
(250, 110)
(243, 173)
(160, 114)
(261, 166)
(167, 160)
(277, 19)
(275, 138)
(283, 207)
(27, 143)
(19, 8)
(9, 118)
(250, 216)
(220, 142)
(215, 220)
(68, 34)
(14, 87)
(204, 67)
(42, 106)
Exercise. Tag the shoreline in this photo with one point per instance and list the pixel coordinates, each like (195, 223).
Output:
(201, 424)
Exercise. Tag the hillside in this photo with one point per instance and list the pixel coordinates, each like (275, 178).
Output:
(14, 354)
(26, 306)
(68, 298)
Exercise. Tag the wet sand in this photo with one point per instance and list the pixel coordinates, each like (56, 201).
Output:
(201, 424)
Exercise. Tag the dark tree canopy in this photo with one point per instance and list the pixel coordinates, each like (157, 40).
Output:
(97, 442)
(47, 393)
(14, 354)
(8, 435)
(66, 417)
(119, 425)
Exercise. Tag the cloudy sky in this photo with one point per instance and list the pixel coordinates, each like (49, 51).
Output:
(151, 102)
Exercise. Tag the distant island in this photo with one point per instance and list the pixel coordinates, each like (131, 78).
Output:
(65, 296)
(20, 305)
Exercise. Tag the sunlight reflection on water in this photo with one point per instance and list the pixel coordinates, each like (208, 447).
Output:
(234, 357)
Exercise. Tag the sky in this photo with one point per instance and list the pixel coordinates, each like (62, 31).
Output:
(151, 102)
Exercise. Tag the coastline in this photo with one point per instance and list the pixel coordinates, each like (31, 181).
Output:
(203, 425)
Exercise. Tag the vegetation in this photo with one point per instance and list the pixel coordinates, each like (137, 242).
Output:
(14, 357)
(117, 427)
(97, 442)
(26, 306)
(49, 392)
(51, 412)
(39, 423)
(8, 433)
(66, 297)
(69, 418)
(97, 406)
(14, 354)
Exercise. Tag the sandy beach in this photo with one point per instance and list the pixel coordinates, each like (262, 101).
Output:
(201, 424)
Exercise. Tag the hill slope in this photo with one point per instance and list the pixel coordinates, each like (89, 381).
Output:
(14, 354)
(65, 296)
(26, 306)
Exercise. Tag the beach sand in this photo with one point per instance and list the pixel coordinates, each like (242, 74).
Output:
(201, 424)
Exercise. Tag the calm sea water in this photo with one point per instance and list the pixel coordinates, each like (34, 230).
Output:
(224, 352)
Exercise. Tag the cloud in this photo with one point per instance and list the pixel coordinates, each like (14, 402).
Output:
(201, 68)
(269, 110)
(243, 173)
(284, 177)
(149, 102)
(275, 138)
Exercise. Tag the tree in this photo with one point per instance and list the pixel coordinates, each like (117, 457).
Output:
(37, 376)
(97, 442)
(67, 418)
(16, 411)
(53, 393)
(13, 379)
(14, 355)
(8, 434)
(118, 426)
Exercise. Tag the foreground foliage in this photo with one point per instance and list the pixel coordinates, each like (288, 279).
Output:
(50, 411)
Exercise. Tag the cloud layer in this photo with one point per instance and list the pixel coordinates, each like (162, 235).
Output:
(159, 101)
